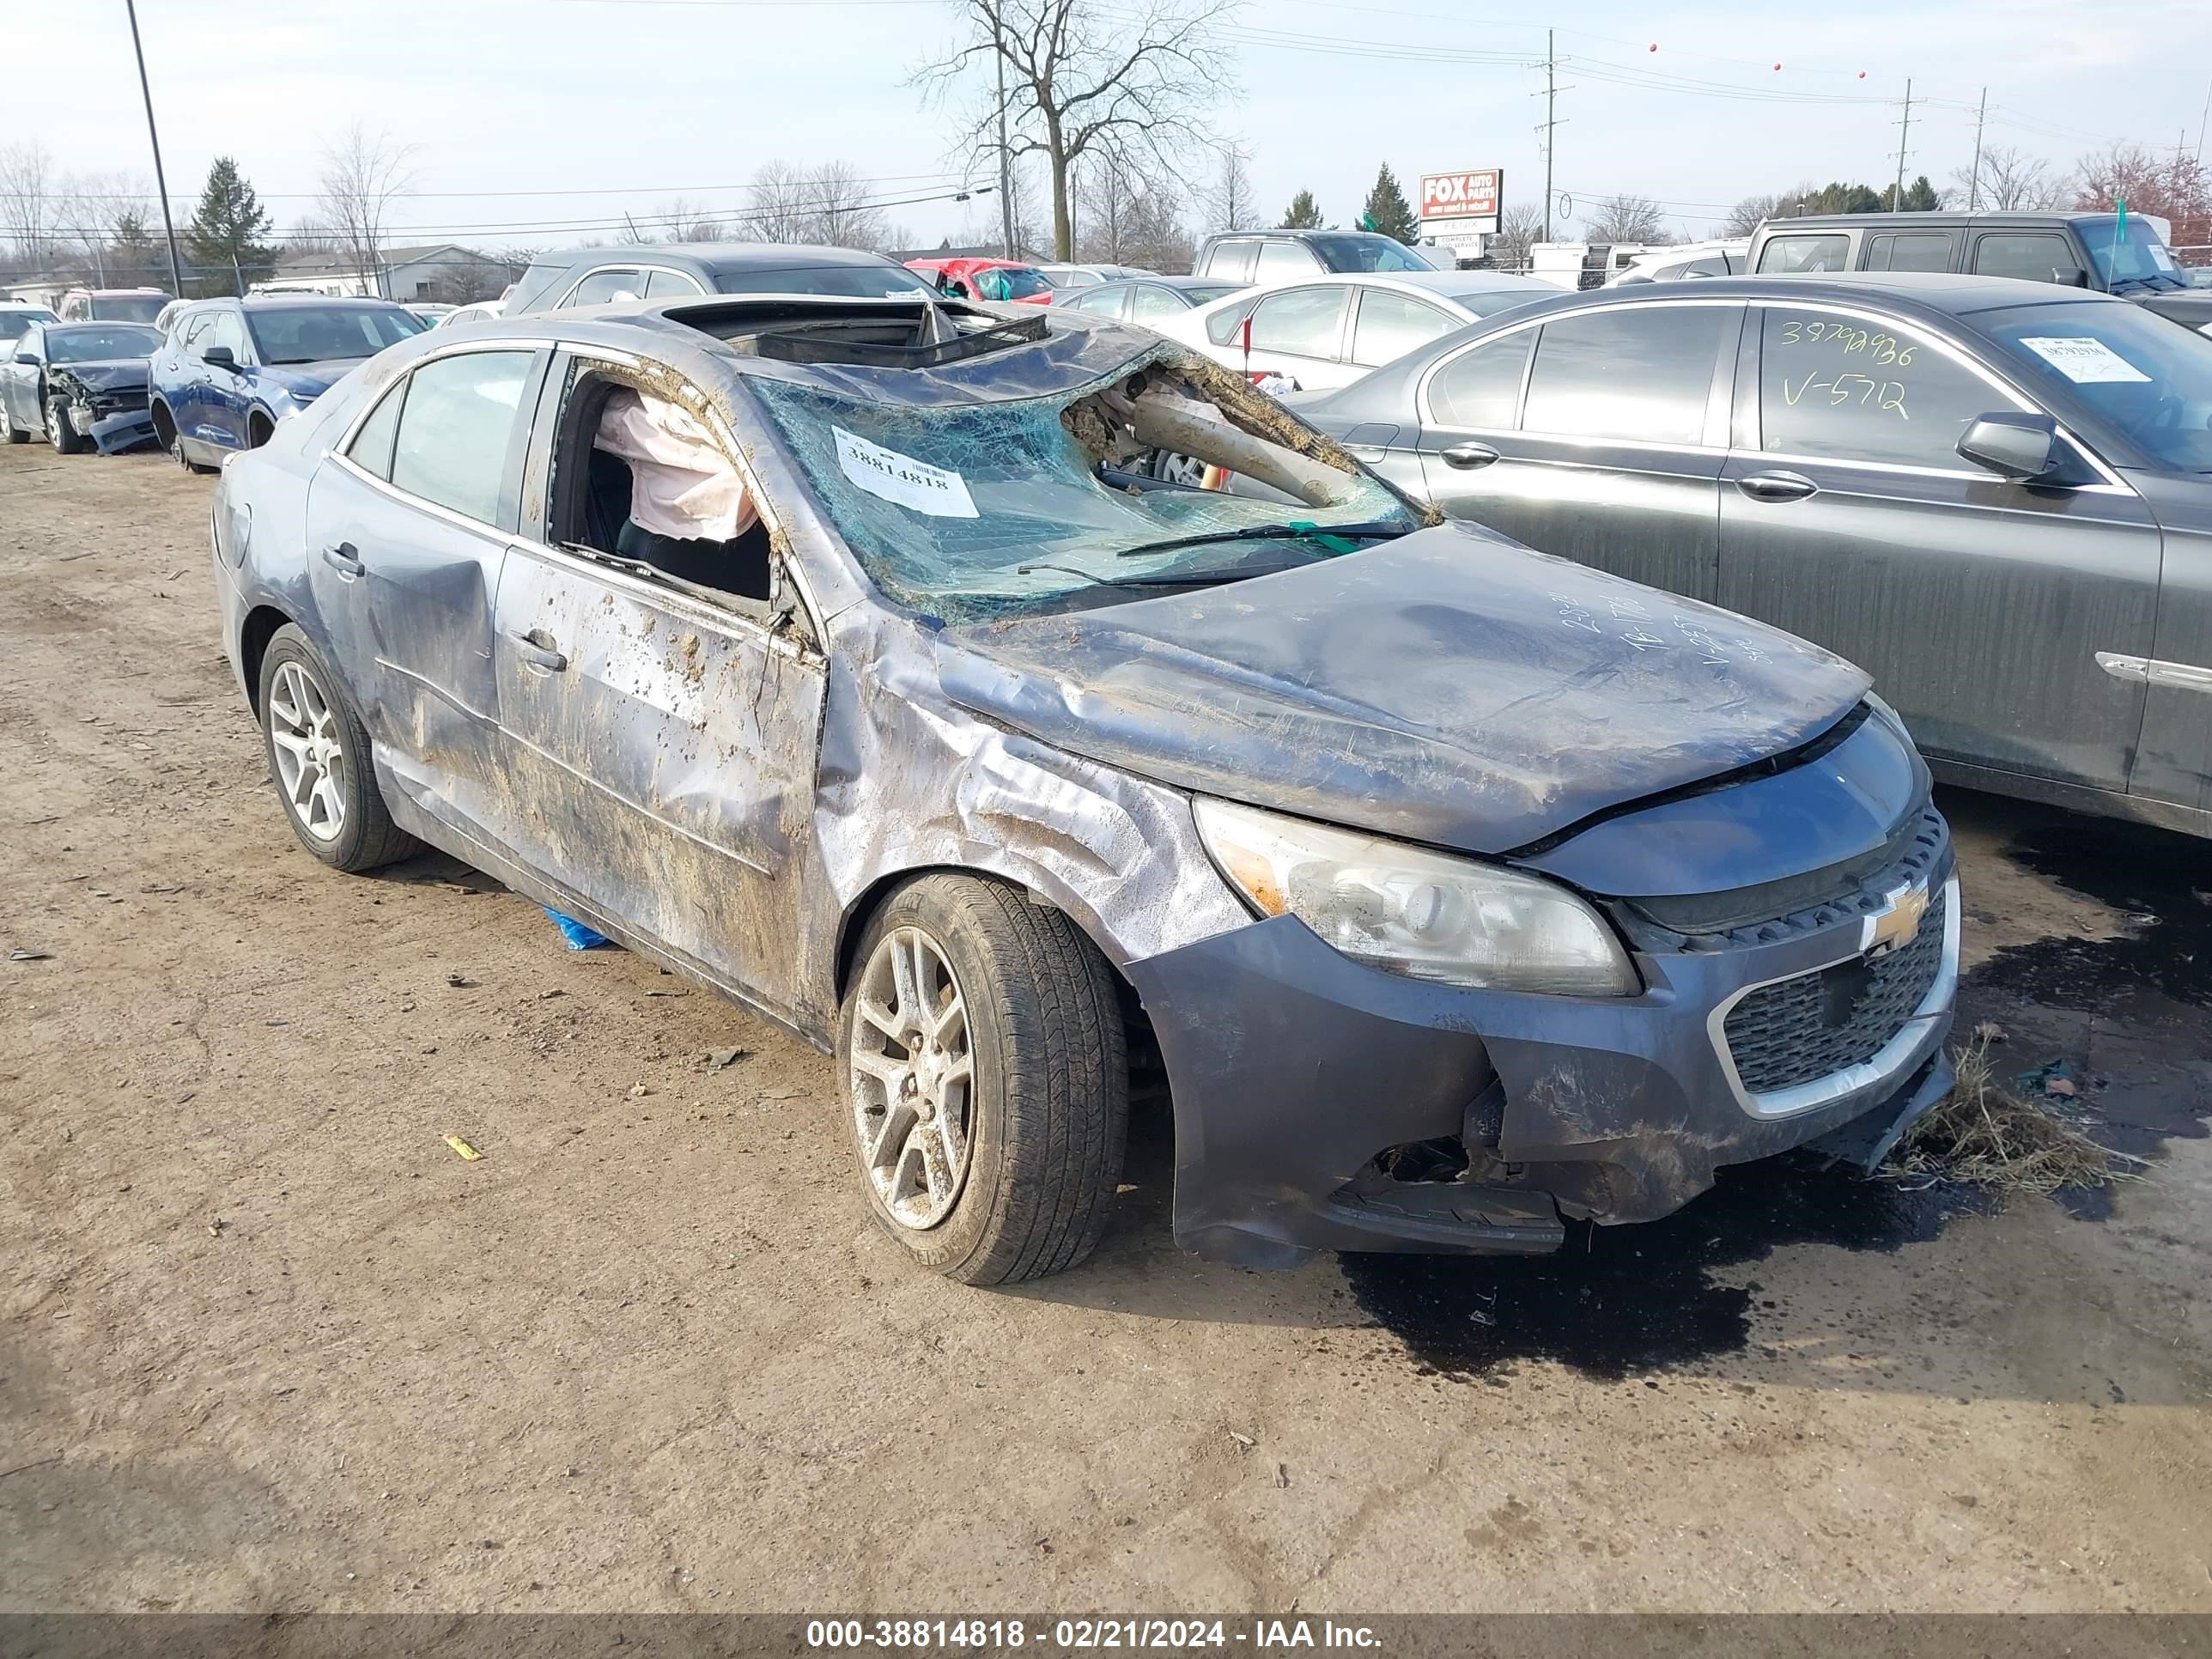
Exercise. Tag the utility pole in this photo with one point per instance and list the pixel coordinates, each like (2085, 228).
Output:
(1006, 185)
(2202, 120)
(168, 225)
(1552, 91)
(1974, 178)
(1896, 201)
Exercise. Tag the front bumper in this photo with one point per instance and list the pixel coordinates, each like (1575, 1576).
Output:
(119, 433)
(1292, 1067)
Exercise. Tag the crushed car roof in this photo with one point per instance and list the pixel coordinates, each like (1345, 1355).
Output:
(1069, 354)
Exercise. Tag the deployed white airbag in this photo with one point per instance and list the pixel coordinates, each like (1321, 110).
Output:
(681, 483)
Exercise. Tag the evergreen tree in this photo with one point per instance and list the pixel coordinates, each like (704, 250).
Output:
(228, 238)
(1388, 211)
(132, 259)
(1919, 197)
(1303, 214)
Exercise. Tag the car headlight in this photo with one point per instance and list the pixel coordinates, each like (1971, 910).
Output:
(1411, 911)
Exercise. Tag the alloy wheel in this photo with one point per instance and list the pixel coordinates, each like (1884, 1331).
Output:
(310, 761)
(913, 1079)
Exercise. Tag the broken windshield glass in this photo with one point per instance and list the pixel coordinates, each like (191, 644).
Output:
(979, 509)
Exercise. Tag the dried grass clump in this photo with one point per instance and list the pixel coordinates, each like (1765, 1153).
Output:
(1984, 1134)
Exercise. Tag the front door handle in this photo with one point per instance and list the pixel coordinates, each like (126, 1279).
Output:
(1468, 457)
(1777, 486)
(345, 559)
(537, 650)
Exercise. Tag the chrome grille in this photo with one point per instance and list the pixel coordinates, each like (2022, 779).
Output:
(1807, 1027)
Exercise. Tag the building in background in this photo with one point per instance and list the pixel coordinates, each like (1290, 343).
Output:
(444, 272)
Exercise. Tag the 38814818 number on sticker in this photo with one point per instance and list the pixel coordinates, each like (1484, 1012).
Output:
(916, 1634)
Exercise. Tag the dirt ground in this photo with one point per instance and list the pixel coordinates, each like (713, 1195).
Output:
(267, 1343)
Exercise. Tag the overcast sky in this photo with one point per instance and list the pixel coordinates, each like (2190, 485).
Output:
(575, 110)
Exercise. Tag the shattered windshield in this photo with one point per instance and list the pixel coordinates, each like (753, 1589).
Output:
(977, 509)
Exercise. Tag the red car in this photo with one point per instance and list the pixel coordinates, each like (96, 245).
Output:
(1002, 280)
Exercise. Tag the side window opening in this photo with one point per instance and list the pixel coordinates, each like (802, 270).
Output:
(371, 449)
(638, 477)
(1805, 252)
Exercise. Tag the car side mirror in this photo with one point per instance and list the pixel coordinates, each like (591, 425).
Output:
(24, 357)
(220, 357)
(2021, 448)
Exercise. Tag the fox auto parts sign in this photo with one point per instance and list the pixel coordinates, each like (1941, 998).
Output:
(1461, 201)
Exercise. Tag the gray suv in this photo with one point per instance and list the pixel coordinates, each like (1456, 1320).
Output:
(2074, 250)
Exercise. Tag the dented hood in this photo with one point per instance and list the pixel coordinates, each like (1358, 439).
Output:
(1450, 687)
(107, 374)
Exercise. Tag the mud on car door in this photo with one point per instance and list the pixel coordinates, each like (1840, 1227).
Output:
(662, 743)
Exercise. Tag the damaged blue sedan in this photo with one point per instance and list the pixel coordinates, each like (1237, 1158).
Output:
(842, 656)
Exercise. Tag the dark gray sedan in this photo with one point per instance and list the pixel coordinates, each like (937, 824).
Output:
(828, 653)
(1995, 496)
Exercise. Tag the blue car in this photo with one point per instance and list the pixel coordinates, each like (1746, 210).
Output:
(231, 369)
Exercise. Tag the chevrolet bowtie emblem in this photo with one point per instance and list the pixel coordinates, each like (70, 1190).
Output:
(1899, 924)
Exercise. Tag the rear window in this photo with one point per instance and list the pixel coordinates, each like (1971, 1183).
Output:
(885, 281)
(1232, 260)
(1391, 325)
(128, 307)
(1923, 250)
(1639, 373)
(1788, 255)
(1482, 387)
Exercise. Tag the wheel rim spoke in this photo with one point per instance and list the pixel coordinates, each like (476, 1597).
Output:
(911, 1078)
(304, 739)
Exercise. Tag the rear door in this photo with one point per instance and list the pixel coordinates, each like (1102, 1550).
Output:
(221, 399)
(409, 524)
(19, 381)
(1910, 250)
(663, 747)
(1615, 455)
(1978, 604)
(2034, 256)
(1386, 324)
(1298, 333)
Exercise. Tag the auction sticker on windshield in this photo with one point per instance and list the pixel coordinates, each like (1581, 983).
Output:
(900, 478)
(2081, 360)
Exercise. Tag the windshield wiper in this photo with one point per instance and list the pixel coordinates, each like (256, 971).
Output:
(1165, 578)
(1373, 529)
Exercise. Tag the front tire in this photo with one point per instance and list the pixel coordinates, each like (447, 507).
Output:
(986, 1079)
(65, 438)
(319, 759)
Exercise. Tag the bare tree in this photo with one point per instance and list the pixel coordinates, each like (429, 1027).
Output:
(1227, 204)
(844, 214)
(1518, 228)
(1747, 215)
(2011, 181)
(30, 203)
(363, 173)
(1065, 77)
(830, 204)
(1626, 219)
(775, 205)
